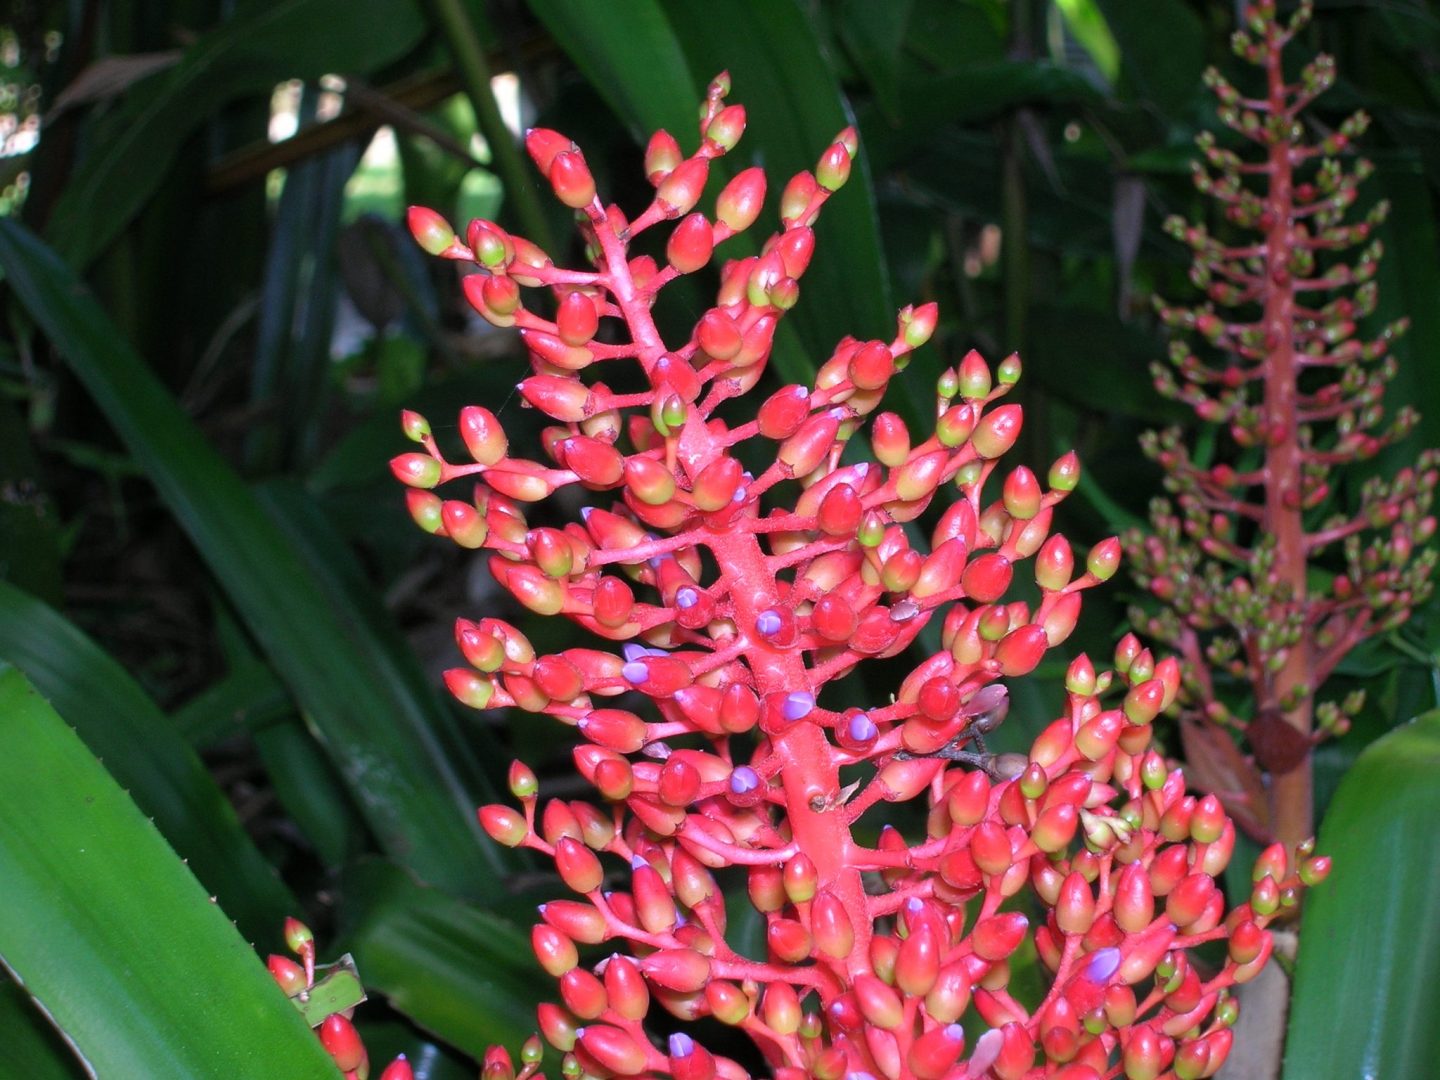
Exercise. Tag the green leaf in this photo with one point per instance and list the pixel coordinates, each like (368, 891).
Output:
(30, 544)
(1085, 20)
(337, 988)
(146, 754)
(1409, 282)
(605, 40)
(1367, 986)
(265, 42)
(106, 928)
(247, 698)
(969, 96)
(873, 35)
(33, 1049)
(1162, 50)
(457, 970)
(381, 736)
(296, 320)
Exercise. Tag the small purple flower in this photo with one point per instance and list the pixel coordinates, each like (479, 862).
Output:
(686, 598)
(768, 623)
(987, 1049)
(1103, 963)
(797, 705)
(861, 728)
(631, 651)
(635, 673)
(681, 1045)
(744, 780)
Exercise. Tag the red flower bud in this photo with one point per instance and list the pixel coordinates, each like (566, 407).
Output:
(803, 451)
(681, 970)
(543, 144)
(342, 1042)
(1104, 559)
(662, 155)
(833, 168)
(780, 1008)
(727, 127)
(289, 975)
(796, 199)
(789, 941)
(872, 365)
(430, 230)
(997, 431)
(583, 994)
(878, 1003)
(997, 937)
(416, 470)
(691, 244)
(1020, 651)
(571, 179)
(565, 399)
(680, 191)
(985, 579)
(613, 1049)
(1022, 494)
(739, 203)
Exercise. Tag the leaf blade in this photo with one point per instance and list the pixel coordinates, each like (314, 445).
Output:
(1367, 986)
(457, 970)
(382, 738)
(103, 924)
(145, 753)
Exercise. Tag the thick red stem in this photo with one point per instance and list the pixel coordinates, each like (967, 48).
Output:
(1291, 792)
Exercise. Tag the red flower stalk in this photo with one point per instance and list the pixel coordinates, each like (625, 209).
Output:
(745, 566)
(1281, 366)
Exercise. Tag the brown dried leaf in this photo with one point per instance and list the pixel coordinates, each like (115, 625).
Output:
(109, 77)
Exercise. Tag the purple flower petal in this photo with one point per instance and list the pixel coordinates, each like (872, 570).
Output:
(744, 780)
(768, 623)
(987, 1049)
(862, 729)
(1103, 963)
(631, 651)
(681, 1045)
(635, 673)
(797, 705)
(686, 598)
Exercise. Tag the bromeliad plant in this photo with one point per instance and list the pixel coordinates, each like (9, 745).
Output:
(1281, 364)
(744, 567)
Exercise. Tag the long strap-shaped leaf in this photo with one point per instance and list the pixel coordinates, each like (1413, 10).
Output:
(385, 742)
(143, 750)
(456, 969)
(1367, 988)
(105, 927)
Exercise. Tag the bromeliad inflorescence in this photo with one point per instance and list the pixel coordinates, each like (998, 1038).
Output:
(1279, 360)
(740, 569)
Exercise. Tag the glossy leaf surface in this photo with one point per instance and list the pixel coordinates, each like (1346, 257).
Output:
(104, 925)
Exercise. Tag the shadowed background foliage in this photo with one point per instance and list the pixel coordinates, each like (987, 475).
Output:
(207, 570)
